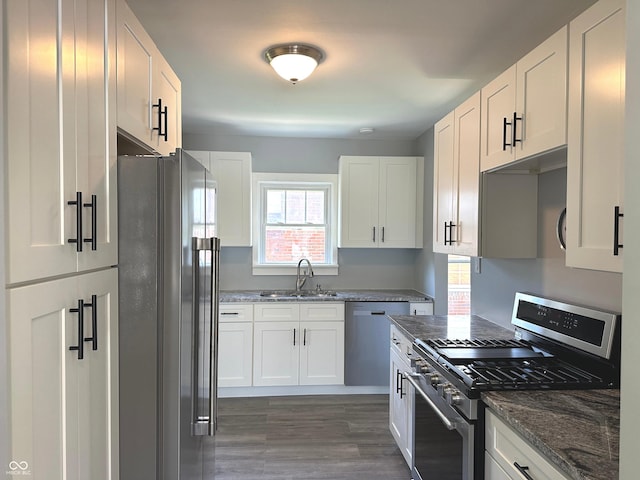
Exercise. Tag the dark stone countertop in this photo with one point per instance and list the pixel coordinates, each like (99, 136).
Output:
(577, 430)
(252, 296)
(449, 326)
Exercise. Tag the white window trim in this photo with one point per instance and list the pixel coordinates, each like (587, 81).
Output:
(294, 178)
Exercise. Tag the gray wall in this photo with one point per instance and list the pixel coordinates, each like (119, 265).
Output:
(359, 268)
(493, 289)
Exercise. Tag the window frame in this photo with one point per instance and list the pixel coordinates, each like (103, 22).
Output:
(289, 181)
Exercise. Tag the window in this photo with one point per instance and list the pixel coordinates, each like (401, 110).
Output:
(459, 290)
(294, 218)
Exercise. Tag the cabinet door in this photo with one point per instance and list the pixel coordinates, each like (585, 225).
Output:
(63, 409)
(135, 71)
(232, 171)
(276, 350)
(322, 353)
(397, 202)
(541, 97)
(98, 379)
(401, 407)
(43, 374)
(166, 90)
(359, 180)
(444, 187)
(40, 175)
(498, 106)
(466, 196)
(595, 136)
(235, 354)
(94, 117)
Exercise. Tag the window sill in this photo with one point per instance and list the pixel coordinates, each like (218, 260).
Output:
(318, 270)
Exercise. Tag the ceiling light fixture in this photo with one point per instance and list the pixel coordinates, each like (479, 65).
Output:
(293, 62)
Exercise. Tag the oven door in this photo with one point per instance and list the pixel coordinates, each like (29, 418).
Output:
(443, 439)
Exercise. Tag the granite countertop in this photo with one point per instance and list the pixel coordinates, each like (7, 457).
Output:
(251, 296)
(449, 326)
(577, 430)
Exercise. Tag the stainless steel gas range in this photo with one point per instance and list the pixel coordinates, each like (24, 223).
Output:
(556, 346)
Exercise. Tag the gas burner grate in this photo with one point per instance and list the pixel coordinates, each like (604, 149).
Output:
(513, 374)
(474, 343)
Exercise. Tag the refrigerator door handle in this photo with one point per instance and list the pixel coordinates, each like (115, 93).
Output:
(204, 424)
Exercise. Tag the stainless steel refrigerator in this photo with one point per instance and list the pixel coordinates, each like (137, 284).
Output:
(168, 290)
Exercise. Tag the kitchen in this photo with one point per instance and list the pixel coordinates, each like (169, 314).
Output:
(493, 287)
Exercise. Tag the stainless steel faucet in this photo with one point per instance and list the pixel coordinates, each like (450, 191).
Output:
(301, 280)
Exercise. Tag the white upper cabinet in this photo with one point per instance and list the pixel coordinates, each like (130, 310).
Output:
(232, 172)
(493, 215)
(149, 92)
(457, 180)
(61, 149)
(381, 201)
(595, 167)
(524, 110)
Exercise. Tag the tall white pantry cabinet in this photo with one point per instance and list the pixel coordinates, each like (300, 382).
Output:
(61, 233)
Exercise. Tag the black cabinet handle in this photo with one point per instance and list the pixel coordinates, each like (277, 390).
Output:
(374, 234)
(161, 112)
(514, 140)
(381, 312)
(80, 346)
(451, 227)
(166, 124)
(304, 337)
(616, 230)
(505, 144)
(94, 322)
(93, 240)
(446, 227)
(382, 234)
(523, 470)
(78, 203)
(294, 337)
(398, 384)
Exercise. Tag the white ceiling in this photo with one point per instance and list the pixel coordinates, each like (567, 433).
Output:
(394, 65)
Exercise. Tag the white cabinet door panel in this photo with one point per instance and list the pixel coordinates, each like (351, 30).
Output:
(595, 137)
(397, 202)
(276, 353)
(359, 178)
(322, 353)
(235, 354)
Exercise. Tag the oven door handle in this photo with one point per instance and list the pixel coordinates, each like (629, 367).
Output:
(410, 378)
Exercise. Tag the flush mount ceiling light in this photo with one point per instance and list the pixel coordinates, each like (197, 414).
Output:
(295, 61)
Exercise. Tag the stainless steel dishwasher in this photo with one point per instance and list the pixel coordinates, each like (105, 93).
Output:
(366, 360)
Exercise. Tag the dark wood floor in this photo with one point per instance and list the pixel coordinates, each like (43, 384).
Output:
(337, 437)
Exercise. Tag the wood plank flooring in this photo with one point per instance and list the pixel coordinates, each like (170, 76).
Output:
(337, 437)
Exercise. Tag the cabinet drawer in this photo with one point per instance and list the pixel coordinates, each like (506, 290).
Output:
(507, 448)
(401, 345)
(322, 311)
(236, 312)
(280, 311)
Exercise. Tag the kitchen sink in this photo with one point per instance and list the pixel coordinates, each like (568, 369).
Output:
(298, 294)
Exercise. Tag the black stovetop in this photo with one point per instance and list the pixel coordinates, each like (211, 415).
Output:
(483, 365)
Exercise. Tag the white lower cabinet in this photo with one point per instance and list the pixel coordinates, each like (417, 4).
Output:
(64, 399)
(235, 345)
(298, 344)
(509, 456)
(401, 395)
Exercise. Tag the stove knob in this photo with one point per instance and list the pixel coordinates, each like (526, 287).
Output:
(425, 368)
(453, 397)
(434, 379)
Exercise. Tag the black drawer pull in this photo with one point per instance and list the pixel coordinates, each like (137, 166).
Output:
(94, 322)
(93, 240)
(78, 203)
(379, 313)
(523, 470)
(80, 346)
(616, 230)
